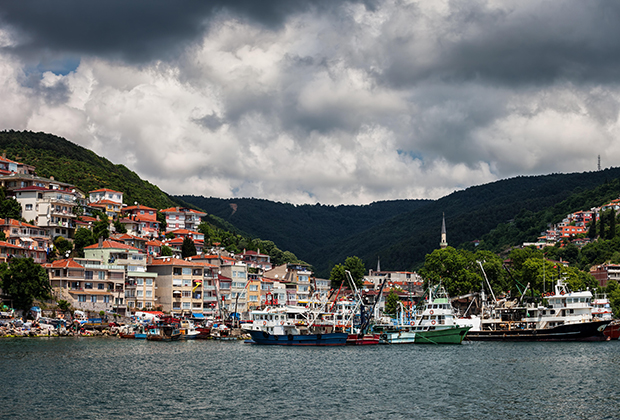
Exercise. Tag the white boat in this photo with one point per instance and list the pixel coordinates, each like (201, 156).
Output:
(601, 309)
(188, 330)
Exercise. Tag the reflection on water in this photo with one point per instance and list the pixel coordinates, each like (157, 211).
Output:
(98, 378)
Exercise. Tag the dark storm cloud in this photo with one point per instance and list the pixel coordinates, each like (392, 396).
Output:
(136, 30)
(535, 43)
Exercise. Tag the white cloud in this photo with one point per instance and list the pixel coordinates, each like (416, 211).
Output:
(407, 100)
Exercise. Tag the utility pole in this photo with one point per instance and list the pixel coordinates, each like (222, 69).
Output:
(599, 162)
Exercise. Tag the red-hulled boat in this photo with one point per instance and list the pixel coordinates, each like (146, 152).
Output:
(363, 339)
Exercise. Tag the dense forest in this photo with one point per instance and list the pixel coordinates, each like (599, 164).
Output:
(401, 233)
(67, 162)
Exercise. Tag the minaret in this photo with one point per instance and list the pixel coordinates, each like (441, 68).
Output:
(444, 241)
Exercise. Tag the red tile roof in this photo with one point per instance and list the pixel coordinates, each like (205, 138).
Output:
(8, 245)
(68, 263)
(16, 223)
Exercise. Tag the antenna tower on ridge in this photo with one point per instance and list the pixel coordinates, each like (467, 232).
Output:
(599, 162)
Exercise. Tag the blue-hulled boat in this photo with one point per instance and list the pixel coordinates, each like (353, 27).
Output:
(328, 339)
(291, 326)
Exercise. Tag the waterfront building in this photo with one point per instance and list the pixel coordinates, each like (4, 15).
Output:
(237, 300)
(182, 218)
(296, 278)
(140, 285)
(88, 284)
(179, 285)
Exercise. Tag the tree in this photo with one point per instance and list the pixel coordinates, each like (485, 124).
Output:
(188, 249)
(9, 208)
(83, 238)
(25, 281)
(63, 247)
(592, 229)
(119, 227)
(101, 228)
(337, 275)
(355, 266)
(612, 224)
(166, 251)
(391, 303)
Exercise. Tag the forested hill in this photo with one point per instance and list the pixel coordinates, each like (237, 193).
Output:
(401, 233)
(300, 227)
(67, 162)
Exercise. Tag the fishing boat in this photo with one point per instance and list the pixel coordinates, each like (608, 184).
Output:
(165, 330)
(291, 326)
(188, 330)
(567, 317)
(433, 322)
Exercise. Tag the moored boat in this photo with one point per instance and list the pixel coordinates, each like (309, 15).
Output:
(568, 317)
(166, 330)
(282, 326)
(433, 323)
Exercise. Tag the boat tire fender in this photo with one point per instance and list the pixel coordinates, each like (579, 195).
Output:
(290, 337)
(265, 334)
(319, 336)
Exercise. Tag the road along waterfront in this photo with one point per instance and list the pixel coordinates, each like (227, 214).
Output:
(109, 378)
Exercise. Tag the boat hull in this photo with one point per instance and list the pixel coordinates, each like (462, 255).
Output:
(446, 336)
(612, 331)
(439, 336)
(329, 339)
(363, 340)
(584, 331)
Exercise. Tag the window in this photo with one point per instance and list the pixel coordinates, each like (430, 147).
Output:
(253, 298)
(88, 275)
(140, 282)
(93, 299)
(187, 293)
(186, 305)
(100, 286)
(101, 275)
(149, 282)
(187, 271)
(176, 305)
(176, 271)
(139, 293)
(81, 298)
(253, 288)
(88, 285)
(149, 293)
(187, 282)
(28, 207)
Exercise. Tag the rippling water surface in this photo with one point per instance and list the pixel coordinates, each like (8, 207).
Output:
(99, 378)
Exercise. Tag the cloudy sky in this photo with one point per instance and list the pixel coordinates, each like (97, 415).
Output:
(328, 101)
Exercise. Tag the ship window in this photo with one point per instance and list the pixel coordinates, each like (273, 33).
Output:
(552, 311)
(572, 311)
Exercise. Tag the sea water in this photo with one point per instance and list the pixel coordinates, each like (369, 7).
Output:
(109, 378)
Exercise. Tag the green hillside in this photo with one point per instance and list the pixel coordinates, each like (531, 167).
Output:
(73, 164)
(401, 233)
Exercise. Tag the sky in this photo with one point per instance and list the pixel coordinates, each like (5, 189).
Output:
(319, 101)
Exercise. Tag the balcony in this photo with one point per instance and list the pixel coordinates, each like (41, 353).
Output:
(209, 299)
(208, 287)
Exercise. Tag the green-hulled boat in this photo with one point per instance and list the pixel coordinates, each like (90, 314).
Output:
(432, 323)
